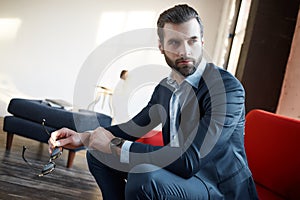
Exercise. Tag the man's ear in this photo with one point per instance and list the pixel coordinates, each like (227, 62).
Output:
(161, 48)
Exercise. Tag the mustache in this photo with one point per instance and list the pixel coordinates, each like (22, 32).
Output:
(184, 59)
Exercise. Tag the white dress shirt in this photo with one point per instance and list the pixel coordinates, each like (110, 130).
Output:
(176, 102)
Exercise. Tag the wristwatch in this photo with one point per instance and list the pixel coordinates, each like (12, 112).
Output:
(116, 143)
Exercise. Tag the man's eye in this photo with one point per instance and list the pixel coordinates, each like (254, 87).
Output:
(173, 43)
(192, 41)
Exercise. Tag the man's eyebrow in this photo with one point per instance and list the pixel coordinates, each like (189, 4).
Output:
(194, 37)
(191, 37)
(172, 39)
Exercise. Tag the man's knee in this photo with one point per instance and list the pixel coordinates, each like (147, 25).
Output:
(142, 182)
(157, 183)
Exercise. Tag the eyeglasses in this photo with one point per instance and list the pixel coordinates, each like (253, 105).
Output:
(50, 166)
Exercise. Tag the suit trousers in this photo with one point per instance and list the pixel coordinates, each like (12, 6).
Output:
(147, 181)
(154, 183)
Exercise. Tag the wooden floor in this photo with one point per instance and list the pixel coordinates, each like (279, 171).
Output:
(18, 181)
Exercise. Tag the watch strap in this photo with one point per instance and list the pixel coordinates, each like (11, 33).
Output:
(116, 143)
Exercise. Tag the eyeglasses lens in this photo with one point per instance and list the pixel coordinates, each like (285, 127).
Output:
(56, 152)
(48, 168)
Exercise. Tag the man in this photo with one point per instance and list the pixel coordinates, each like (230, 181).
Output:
(201, 108)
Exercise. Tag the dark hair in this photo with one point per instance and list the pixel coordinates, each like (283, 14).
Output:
(177, 15)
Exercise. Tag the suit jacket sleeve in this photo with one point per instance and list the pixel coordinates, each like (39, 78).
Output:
(210, 121)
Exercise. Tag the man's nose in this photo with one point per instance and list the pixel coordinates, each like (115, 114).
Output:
(184, 50)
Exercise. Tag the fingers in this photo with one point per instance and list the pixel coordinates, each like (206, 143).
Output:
(53, 139)
(67, 138)
(60, 138)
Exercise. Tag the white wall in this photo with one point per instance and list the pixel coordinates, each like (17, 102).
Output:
(43, 43)
(290, 93)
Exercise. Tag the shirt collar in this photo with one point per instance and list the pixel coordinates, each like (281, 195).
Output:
(193, 79)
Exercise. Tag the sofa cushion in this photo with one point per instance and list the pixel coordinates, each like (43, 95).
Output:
(37, 110)
(26, 128)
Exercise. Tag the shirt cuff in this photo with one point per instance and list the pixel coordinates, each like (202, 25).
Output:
(124, 157)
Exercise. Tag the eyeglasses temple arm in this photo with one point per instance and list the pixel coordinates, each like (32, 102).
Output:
(23, 156)
(43, 123)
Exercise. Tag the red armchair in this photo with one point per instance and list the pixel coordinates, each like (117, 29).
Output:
(154, 137)
(273, 152)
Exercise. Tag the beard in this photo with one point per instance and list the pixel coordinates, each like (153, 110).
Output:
(184, 70)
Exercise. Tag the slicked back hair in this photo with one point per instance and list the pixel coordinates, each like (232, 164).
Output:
(177, 15)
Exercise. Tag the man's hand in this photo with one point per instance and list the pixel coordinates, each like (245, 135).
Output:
(67, 138)
(98, 139)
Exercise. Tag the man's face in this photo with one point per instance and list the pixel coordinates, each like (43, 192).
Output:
(182, 46)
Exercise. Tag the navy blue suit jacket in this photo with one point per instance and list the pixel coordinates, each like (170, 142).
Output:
(211, 131)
